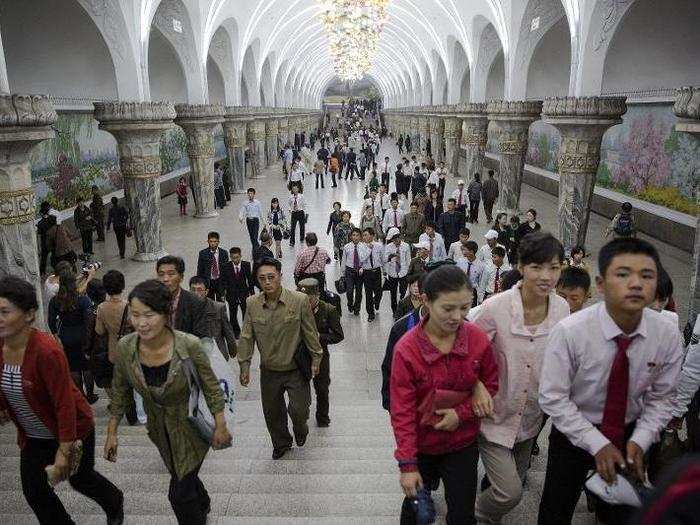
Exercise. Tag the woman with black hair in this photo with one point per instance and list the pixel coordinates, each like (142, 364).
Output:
(69, 322)
(434, 370)
(277, 224)
(518, 322)
(151, 362)
(50, 413)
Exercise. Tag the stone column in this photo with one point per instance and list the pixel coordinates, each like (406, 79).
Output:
(415, 135)
(25, 121)
(474, 136)
(453, 131)
(234, 138)
(437, 131)
(687, 109)
(424, 129)
(512, 120)
(255, 137)
(283, 131)
(271, 129)
(138, 128)
(582, 123)
(199, 121)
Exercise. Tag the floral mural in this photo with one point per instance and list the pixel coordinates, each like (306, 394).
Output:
(644, 157)
(81, 155)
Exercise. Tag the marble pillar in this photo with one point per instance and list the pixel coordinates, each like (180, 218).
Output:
(687, 109)
(415, 135)
(283, 131)
(25, 121)
(271, 151)
(453, 131)
(199, 122)
(582, 123)
(512, 121)
(255, 137)
(234, 138)
(138, 128)
(475, 124)
(437, 132)
(424, 129)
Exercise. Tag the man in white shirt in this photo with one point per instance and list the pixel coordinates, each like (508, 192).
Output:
(484, 253)
(374, 202)
(397, 259)
(436, 244)
(393, 216)
(608, 379)
(460, 197)
(384, 201)
(297, 214)
(251, 211)
(372, 274)
(354, 255)
(491, 276)
(473, 267)
(455, 251)
(296, 176)
(287, 159)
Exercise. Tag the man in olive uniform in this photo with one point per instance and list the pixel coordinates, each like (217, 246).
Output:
(278, 320)
(330, 332)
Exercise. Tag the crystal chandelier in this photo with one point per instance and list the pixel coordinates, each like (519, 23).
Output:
(353, 28)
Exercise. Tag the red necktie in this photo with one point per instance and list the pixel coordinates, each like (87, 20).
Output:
(356, 259)
(237, 271)
(295, 203)
(496, 283)
(214, 267)
(396, 219)
(613, 426)
(459, 202)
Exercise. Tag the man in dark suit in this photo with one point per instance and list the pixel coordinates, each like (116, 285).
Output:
(209, 265)
(237, 280)
(217, 318)
(188, 311)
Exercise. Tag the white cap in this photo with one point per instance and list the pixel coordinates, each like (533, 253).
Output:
(460, 181)
(422, 245)
(393, 232)
(491, 234)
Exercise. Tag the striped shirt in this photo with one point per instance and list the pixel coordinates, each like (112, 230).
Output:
(11, 384)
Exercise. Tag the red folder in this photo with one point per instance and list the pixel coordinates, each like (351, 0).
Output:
(439, 399)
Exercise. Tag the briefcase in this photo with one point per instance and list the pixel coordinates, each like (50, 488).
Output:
(302, 358)
(341, 285)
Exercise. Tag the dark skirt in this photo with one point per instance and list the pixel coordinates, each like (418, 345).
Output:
(277, 235)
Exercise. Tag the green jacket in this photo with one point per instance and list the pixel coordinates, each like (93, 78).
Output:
(330, 331)
(177, 441)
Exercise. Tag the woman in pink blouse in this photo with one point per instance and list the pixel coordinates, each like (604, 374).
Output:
(518, 323)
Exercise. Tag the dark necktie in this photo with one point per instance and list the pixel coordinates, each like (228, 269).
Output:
(214, 267)
(469, 271)
(396, 219)
(356, 259)
(371, 257)
(496, 283)
(613, 426)
(398, 261)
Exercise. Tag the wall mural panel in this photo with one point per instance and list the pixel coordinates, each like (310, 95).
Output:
(64, 168)
(644, 156)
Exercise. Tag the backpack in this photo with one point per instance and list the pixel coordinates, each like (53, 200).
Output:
(624, 226)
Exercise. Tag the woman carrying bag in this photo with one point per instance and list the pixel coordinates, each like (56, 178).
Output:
(150, 361)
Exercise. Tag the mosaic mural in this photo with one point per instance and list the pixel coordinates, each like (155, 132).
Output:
(64, 168)
(644, 156)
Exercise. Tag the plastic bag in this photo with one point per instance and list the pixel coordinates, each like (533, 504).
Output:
(224, 374)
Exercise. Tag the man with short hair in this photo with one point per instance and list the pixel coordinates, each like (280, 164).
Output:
(397, 259)
(372, 274)
(187, 312)
(454, 252)
(436, 244)
(209, 264)
(330, 332)
(217, 321)
(263, 250)
(278, 320)
(251, 211)
(393, 216)
(460, 197)
(237, 283)
(311, 261)
(451, 223)
(297, 212)
(352, 262)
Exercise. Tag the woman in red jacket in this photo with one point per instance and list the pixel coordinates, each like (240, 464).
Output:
(38, 394)
(435, 368)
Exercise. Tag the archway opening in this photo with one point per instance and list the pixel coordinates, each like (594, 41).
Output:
(167, 79)
(550, 65)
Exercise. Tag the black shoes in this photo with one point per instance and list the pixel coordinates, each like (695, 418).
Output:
(92, 398)
(278, 453)
(356, 312)
(370, 318)
(301, 440)
(323, 423)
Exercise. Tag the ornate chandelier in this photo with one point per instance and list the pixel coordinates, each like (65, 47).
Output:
(353, 28)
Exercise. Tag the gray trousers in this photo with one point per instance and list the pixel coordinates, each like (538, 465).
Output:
(506, 469)
(273, 386)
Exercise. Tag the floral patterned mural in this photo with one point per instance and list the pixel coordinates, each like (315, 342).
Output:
(64, 168)
(644, 156)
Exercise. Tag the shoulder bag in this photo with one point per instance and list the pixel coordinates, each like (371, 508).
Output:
(299, 277)
(302, 358)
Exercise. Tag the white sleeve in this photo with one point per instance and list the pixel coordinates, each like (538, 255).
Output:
(689, 380)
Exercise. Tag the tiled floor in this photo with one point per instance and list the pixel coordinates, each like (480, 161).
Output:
(346, 473)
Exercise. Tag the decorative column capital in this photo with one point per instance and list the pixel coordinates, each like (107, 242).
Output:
(687, 109)
(199, 114)
(453, 127)
(26, 111)
(513, 119)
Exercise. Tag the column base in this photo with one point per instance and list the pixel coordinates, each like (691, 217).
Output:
(148, 256)
(206, 215)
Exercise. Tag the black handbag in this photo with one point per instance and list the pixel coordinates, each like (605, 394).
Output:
(341, 285)
(302, 358)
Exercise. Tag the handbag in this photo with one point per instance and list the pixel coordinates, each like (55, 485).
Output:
(302, 358)
(285, 233)
(341, 285)
(665, 453)
(439, 399)
(103, 367)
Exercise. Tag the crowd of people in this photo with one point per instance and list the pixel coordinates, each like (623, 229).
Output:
(491, 338)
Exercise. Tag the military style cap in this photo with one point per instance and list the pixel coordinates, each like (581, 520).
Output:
(308, 286)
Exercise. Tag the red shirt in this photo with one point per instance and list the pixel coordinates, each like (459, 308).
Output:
(418, 368)
(50, 391)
